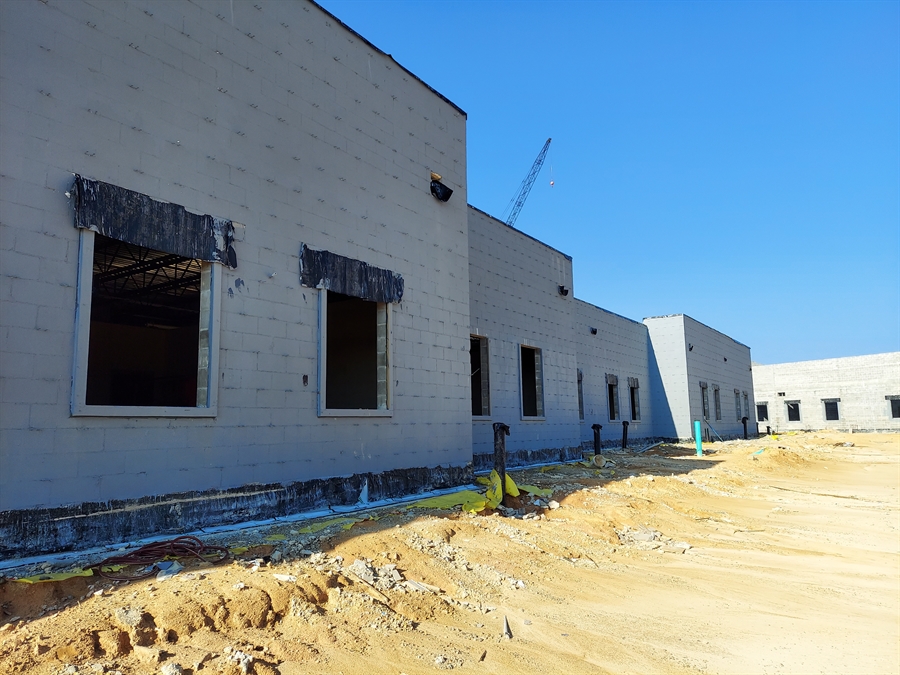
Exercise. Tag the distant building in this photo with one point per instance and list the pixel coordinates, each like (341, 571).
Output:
(854, 393)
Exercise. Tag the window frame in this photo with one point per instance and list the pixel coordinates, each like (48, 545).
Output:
(580, 376)
(322, 410)
(539, 385)
(613, 410)
(837, 409)
(485, 349)
(634, 399)
(891, 398)
(737, 403)
(210, 312)
(763, 404)
(787, 412)
(704, 401)
(717, 402)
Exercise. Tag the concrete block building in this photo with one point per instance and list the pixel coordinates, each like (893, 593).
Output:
(854, 393)
(698, 374)
(248, 283)
(551, 366)
(239, 279)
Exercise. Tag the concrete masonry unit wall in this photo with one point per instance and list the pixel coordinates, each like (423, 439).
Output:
(860, 382)
(270, 114)
(277, 118)
(618, 347)
(686, 353)
(515, 300)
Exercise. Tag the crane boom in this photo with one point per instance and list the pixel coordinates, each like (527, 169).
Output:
(525, 189)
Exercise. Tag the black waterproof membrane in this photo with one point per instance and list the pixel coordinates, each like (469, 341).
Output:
(137, 219)
(323, 269)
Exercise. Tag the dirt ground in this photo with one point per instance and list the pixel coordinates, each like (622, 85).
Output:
(780, 561)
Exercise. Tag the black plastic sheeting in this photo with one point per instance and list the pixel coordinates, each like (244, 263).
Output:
(137, 219)
(323, 269)
(43, 531)
(522, 458)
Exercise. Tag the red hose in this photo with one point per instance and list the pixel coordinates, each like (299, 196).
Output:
(180, 547)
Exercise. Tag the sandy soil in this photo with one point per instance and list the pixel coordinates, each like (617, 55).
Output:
(784, 561)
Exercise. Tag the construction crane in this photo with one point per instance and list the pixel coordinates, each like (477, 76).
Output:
(518, 200)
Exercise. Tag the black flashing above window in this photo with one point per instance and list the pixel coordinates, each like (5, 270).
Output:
(336, 273)
(140, 220)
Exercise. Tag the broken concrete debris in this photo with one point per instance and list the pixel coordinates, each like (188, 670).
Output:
(243, 661)
(649, 539)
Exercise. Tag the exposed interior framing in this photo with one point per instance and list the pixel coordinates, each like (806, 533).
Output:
(147, 329)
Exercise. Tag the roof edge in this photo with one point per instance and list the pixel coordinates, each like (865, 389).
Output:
(830, 358)
(524, 234)
(687, 316)
(381, 51)
(606, 311)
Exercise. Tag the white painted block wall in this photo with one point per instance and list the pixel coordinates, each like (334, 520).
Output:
(514, 299)
(688, 352)
(276, 116)
(620, 347)
(860, 382)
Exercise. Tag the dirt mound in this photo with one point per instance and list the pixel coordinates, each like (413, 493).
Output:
(771, 459)
(619, 570)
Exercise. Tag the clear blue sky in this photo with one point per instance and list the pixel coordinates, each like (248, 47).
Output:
(735, 161)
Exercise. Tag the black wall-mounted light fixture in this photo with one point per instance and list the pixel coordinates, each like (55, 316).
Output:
(593, 331)
(563, 291)
(438, 189)
(690, 347)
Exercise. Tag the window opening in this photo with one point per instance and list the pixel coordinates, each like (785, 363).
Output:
(737, 404)
(895, 406)
(634, 397)
(580, 395)
(145, 345)
(478, 361)
(356, 353)
(793, 411)
(746, 405)
(612, 393)
(532, 382)
(832, 413)
(717, 401)
(762, 412)
(704, 393)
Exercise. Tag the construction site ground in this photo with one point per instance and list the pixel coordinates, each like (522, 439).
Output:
(773, 555)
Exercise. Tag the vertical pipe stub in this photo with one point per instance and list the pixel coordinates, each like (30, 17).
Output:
(624, 434)
(744, 422)
(596, 428)
(698, 437)
(501, 431)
